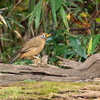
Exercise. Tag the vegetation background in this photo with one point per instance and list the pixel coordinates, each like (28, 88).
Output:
(74, 25)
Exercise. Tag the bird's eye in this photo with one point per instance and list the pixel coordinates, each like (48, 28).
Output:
(43, 35)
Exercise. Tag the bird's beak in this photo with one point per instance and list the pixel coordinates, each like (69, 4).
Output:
(48, 35)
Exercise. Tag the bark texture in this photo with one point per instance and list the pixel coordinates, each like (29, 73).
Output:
(87, 71)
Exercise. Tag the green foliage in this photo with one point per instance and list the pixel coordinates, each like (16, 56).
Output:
(63, 15)
(53, 9)
(36, 13)
(77, 46)
(23, 62)
(98, 20)
(95, 43)
(19, 22)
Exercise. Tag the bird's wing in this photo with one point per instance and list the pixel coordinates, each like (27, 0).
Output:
(34, 42)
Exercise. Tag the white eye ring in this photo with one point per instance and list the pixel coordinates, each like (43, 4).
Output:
(43, 36)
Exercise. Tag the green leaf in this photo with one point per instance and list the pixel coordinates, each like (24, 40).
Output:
(8, 23)
(76, 0)
(17, 23)
(38, 13)
(79, 17)
(5, 39)
(95, 42)
(61, 50)
(77, 46)
(98, 20)
(64, 18)
(59, 32)
(28, 80)
(98, 1)
(58, 4)
(52, 4)
(90, 45)
(33, 14)
(71, 4)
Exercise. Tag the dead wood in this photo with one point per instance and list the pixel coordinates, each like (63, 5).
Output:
(88, 64)
(68, 63)
(89, 70)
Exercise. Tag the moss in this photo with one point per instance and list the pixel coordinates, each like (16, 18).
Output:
(36, 90)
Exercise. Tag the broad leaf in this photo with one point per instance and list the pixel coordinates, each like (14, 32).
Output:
(96, 40)
(77, 46)
(58, 4)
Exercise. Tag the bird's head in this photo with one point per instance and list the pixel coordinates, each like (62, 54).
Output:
(44, 35)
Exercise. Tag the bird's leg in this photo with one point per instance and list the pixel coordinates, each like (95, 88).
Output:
(37, 60)
(36, 57)
(40, 62)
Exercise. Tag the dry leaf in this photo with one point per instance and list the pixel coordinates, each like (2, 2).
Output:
(3, 20)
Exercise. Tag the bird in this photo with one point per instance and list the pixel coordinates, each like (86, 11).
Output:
(32, 47)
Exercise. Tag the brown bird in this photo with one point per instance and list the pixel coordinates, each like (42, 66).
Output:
(32, 48)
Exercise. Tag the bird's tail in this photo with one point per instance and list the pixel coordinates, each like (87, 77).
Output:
(14, 58)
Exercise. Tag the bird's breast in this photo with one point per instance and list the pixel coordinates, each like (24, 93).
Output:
(34, 50)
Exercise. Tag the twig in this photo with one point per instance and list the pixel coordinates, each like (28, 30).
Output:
(85, 28)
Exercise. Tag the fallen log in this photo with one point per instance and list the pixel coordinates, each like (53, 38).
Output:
(89, 70)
